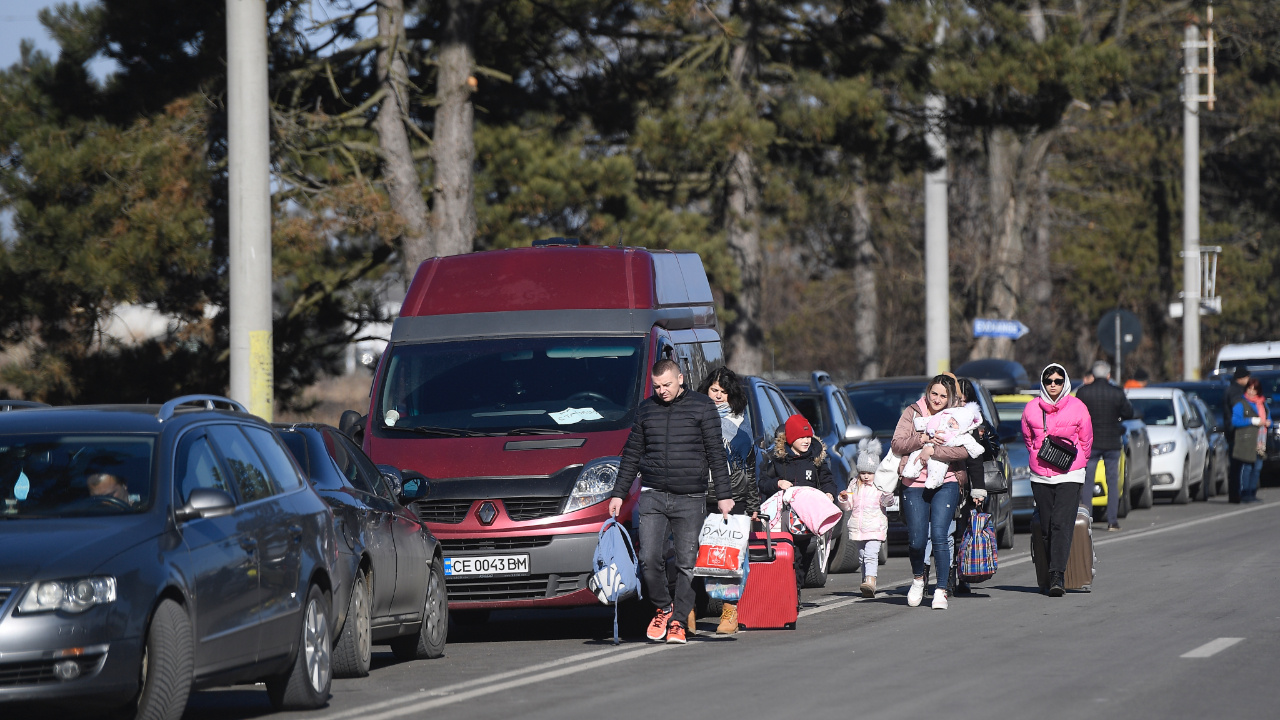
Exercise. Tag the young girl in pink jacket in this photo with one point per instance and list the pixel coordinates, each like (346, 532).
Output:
(868, 525)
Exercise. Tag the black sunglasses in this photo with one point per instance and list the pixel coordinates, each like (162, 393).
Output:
(1054, 381)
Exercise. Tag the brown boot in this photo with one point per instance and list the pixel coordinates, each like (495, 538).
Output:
(728, 620)
(868, 587)
(691, 628)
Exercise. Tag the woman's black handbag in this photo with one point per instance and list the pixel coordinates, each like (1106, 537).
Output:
(1056, 452)
(993, 477)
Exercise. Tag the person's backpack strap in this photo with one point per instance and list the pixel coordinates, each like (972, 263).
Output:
(612, 523)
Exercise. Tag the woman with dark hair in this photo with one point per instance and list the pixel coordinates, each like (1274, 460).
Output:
(928, 512)
(1057, 490)
(725, 389)
(973, 497)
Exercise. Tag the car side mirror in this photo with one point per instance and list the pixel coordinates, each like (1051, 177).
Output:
(854, 433)
(391, 474)
(206, 503)
(416, 487)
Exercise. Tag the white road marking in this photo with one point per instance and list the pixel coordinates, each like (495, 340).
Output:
(417, 707)
(449, 694)
(1211, 648)
(447, 689)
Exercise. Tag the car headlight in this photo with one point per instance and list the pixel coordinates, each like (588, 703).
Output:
(73, 596)
(595, 483)
(1022, 473)
(1162, 448)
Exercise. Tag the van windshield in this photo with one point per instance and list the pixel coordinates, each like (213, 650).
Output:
(511, 386)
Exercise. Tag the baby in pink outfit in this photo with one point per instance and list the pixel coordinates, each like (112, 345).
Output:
(953, 428)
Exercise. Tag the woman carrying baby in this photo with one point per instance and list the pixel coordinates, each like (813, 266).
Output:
(929, 511)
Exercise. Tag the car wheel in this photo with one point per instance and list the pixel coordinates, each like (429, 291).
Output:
(1184, 493)
(306, 685)
(1148, 496)
(1005, 538)
(844, 559)
(428, 642)
(168, 660)
(1202, 490)
(815, 576)
(354, 650)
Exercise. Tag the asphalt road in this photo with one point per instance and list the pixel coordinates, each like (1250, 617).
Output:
(1183, 622)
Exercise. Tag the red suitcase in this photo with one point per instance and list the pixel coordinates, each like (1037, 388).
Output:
(770, 600)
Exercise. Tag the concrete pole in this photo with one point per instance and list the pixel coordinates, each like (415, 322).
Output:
(248, 178)
(1191, 207)
(937, 283)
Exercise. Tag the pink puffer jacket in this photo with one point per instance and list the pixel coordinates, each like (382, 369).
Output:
(1069, 419)
(867, 520)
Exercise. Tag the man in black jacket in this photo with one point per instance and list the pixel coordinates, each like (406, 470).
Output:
(1107, 406)
(674, 445)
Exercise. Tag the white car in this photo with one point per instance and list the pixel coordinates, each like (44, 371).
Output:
(1179, 441)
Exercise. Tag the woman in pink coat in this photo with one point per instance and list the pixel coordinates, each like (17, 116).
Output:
(1057, 492)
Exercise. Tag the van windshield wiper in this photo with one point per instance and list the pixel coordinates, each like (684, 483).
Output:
(536, 431)
(439, 431)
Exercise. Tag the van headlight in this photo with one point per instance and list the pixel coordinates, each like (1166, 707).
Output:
(1163, 448)
(595, 483)
(73, 596)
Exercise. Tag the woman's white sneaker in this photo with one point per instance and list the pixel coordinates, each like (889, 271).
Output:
(939, 599)
(916, 593)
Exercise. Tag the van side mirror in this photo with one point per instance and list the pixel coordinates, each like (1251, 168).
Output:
(206, 503)
(351, 424)
(854, 433)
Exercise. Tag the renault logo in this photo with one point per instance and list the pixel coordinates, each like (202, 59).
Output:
(487, 513)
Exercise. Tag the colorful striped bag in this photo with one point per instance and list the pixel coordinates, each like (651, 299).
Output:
(978, 559)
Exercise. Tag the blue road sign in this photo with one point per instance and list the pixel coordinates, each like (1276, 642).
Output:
(986, 327)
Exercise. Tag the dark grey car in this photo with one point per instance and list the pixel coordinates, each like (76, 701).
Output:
(151, 550)
(390, 567)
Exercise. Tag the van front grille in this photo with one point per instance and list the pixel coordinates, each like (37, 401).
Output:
(526, 587)
(506, 543)
(521, 509)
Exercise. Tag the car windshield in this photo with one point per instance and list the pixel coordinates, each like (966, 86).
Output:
(71, 475)
(1010, 418)
(512, 386)
(1213, 401)
(880, 407)
(813, 411)
(1154, 411)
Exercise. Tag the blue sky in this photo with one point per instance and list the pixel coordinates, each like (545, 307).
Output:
(18, 21)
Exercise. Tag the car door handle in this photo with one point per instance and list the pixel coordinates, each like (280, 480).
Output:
(250, 545)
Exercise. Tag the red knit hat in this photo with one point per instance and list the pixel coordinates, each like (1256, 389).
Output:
(798, 427)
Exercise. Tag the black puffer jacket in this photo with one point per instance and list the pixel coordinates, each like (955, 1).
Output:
(808, 469)
(1107, 406)
(673, 446)
(990, 442)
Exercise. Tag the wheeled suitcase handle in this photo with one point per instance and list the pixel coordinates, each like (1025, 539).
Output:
(768, 537)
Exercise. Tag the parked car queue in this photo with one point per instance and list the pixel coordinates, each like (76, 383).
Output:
(154, 550)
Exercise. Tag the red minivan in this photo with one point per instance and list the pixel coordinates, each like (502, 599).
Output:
(511, 380)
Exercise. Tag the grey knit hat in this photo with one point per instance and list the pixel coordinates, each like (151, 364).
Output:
(868, 458)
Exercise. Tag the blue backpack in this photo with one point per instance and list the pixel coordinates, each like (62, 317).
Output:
(616, 575)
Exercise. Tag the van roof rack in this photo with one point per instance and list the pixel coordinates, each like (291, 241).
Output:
(558, 242)
(210, 403)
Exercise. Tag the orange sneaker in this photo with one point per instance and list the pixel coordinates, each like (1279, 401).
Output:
(676, 633)
(657, 631)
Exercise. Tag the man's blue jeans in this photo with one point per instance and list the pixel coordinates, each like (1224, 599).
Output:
(928, 515)
(1111, 466)
(679, 517)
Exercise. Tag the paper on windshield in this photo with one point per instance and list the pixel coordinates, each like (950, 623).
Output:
(569, 416)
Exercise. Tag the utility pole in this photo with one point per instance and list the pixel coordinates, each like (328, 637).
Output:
(1191, 99)
(937, 282)
(248, 153)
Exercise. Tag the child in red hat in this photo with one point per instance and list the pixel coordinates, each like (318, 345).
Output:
(798, 458)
